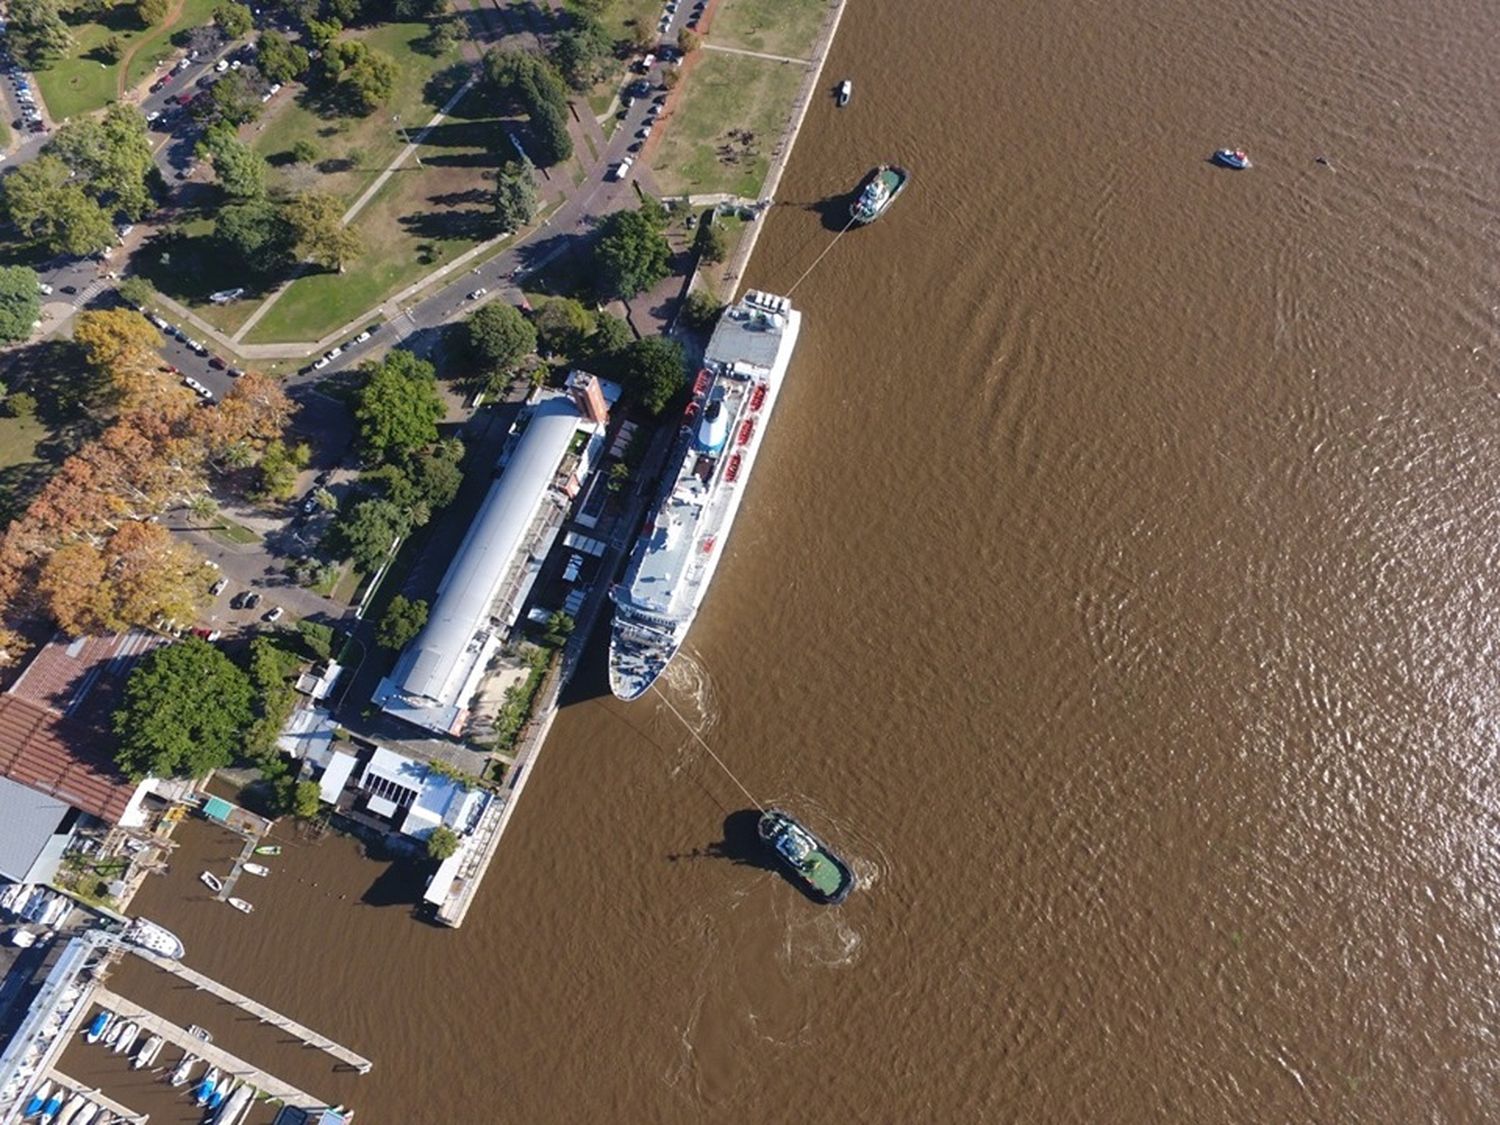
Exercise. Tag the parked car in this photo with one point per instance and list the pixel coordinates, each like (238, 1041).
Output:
(478, 293)
(235, 372)
(275, 614)
(219, 587)
(361, 338)
(216, 363)
(208, 634)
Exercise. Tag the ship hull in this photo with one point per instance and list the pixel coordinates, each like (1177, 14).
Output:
(895, 179)
(649, 628)
(822, 876)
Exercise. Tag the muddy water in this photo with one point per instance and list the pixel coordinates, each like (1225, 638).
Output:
(1118, 589)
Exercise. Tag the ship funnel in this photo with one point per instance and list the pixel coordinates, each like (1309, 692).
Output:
(713, 431)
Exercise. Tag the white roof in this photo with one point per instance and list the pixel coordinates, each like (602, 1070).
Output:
(395, 768)
(336, 776)
(436, 664)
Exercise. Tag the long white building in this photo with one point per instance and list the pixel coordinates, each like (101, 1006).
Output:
(481, 596)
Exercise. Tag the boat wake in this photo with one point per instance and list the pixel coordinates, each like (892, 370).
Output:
(696, 700)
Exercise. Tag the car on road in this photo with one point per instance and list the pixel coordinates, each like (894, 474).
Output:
(221, 66)
(219, 587)
(198, 388)
(197, 347)
(653, 113)
(235, 372)
(361, 338)
(247, 600)
(644, 131)
(635, 146)
(478, 293)
(274, 614)
(207, 634)
(153, 116)
(70, 290)
(620, 170)
(319, 364)
(160, 323)
(216, 363)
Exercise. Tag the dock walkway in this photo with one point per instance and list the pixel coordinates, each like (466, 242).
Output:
(124, 1113)
(150, 1022)
(308, 1036)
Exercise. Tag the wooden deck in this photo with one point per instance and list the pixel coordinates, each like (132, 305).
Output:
(308, 1036)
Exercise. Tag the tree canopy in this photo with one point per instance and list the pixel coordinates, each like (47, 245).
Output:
(316, 220)
(402, 620)
(259, 236)
(398, 407)
(361, 77)
(441, 843)
(20, 302)
(279, 59)
(532, 83)
(515, 197)
(186, 708)
(583, 53)
(37, 32)
(241, 170)
(233, 98)
(366, 533)
(499, 337)
(45, 205)
(562, 325)
(233, 19)
(110, 158)
(654, 370)
(632, 253)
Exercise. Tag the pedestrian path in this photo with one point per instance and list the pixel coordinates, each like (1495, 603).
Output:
(756, 54)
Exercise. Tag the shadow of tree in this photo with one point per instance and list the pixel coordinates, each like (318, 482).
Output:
(458, 198)
(67, 391)
(469, 225)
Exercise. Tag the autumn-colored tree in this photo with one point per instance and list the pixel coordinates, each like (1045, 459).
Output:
(72, 583)
(121, 345)
(254, 412)
(153, 576)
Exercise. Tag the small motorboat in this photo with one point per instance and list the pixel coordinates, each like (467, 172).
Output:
(127, 1038)
(257, 869)
(11, 896)
(147, 1054)
(268, 849)
(183, 1070)
(71, 1109)
(211, 881)
(1235, 158)
(222, 1091)
(87, 1114)
(231, 1110)
(205, 1088)
(845, 92)
(112, 1035)
(54, 1105)
(241, 905)
(22, 939)
(38, 1100)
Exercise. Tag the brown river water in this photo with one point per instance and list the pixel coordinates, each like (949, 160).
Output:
(1118, 589)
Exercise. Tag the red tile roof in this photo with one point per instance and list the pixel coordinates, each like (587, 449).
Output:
(61, 758)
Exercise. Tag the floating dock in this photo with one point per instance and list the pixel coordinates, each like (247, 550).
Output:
(308, 1036)
(180, 1037)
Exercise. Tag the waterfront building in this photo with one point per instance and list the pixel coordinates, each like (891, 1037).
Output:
(554, 448)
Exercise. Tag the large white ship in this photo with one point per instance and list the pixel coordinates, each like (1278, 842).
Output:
(680, 547)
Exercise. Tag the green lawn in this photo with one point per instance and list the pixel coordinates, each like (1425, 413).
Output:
(4, 136)
(188, 267)
(352, 151)
(621, 16)
(231, 532)
(18, 441)
(725, 93)
(422, 217)
(777, 27)
(82, 82)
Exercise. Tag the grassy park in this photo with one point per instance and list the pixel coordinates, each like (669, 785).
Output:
(774, 27)
(728, 115)
(84, 81)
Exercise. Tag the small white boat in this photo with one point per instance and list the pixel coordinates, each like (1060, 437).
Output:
(846, 91)
(22, 939)
(1235, 158)
(71, 1108)
(56, 910)
(147, 1054)
(205, 1088)
(222, 1092)
(11, 896)
(98, 1026)
(183, 1070)
(112, 1036)
(89, 1111)
(241, 905)
(155, 938)
(38, 1100)
(257, 869)
(128, 1037)
(211, 881)
(235, 1106)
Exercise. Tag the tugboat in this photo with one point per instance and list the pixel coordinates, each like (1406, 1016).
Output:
(1235, 158)
(821, 874)
(878, 192)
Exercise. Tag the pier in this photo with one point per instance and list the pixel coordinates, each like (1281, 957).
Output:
(308, 1036)
(124, 1113)
(267, 1084)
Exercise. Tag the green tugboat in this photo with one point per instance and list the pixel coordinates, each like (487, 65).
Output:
(878, 192)
(822, 875)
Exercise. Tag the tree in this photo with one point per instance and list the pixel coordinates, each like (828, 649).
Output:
(611, 333)
(121, 345)
(402, 621)
(559, 629)
(260, 237)
(550, 142)
(362, 77)
(19, 404)
(186, 707)
(531, 82)
(136, 291)
(583, 52)
(151, 12)
(710, 243)
(241, 171)
(515, 197)
(233, 19)
(20, 302)
(632, 254)
(499, 337)
(304, 151)
(654, 370)
(441, 843)
(688, 41)
(443, 35)
(110, 158)
(113, 48)
(46, 206)
(305, 798)
(279, 59)
(700, 311)
(366, 534)
(278, 468)
(233, 98)
(562, 325)
(321, 236)
(37, 32)
(398, 407)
